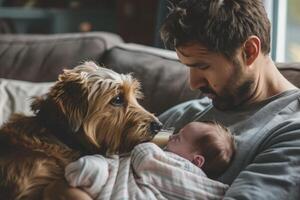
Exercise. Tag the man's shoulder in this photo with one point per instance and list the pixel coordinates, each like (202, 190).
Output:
(202, 109)
(281, 111)
(185, 112)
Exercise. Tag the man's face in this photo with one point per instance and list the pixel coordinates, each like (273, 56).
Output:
(227, 83)
(183, 142)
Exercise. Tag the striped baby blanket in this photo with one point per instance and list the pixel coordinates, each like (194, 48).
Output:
(147, 173)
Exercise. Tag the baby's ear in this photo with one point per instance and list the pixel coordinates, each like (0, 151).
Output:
(198, 160)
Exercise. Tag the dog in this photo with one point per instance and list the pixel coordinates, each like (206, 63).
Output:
(89, 110)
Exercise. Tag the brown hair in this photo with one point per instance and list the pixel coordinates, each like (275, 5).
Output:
(217, 147)
(222, 26)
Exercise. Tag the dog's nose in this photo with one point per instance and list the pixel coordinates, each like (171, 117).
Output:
(155, 127)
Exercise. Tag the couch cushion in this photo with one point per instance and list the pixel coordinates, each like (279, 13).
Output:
(41, 58)
(163, 78)
(291, 71)
(16, 96)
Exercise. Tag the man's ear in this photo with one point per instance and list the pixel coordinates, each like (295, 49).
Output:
(198, 160)
(251, 49)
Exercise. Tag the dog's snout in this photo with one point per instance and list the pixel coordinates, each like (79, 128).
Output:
(155, 127)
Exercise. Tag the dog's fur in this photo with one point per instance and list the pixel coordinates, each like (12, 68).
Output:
(89, 110)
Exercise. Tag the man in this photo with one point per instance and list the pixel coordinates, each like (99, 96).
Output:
(226, 44)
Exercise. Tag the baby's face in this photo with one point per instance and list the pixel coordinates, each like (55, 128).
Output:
(182, 142)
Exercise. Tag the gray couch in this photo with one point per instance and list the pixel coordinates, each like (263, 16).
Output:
(30, 63)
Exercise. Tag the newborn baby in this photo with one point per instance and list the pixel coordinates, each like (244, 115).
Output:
(197, 150)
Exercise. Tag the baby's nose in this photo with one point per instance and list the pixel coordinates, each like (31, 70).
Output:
(173, 136)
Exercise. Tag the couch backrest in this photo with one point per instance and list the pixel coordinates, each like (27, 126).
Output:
(164, 80)
(40, 58)
(291, 71)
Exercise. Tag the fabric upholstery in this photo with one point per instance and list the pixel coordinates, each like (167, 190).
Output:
(40, 58)
(16, 96)
(291, 71)
(164, 80)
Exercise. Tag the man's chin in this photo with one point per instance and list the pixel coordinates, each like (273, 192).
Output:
(222, 105)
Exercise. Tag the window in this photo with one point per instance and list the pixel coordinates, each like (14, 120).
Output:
(292, 51)
(285, 18)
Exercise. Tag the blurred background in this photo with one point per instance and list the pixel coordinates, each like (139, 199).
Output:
(136, 21)
(292, 47)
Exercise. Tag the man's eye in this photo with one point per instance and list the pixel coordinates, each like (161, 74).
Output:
(118, 100)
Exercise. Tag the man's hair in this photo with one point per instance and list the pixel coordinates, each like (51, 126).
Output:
(218, 149)
(222, 26)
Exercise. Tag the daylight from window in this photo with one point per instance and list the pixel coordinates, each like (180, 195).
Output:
(292, 53)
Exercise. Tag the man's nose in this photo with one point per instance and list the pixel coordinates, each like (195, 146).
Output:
(197, 79)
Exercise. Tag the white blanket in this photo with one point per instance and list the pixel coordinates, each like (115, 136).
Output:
(148, 173)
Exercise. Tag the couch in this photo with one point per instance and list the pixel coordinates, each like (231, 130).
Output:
(29, 64)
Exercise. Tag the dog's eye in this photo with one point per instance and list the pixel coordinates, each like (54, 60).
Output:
(118, 100)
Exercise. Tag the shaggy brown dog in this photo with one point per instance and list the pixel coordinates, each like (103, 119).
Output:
(89, 110)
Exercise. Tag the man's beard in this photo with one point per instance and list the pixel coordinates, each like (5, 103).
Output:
(230, 100)
(235, 93)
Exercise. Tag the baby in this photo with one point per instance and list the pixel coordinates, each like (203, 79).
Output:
(151, 173)
(208, 145)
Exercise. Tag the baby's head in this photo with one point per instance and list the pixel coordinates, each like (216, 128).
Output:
(208, 145)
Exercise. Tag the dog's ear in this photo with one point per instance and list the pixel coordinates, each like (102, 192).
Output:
(71, 96)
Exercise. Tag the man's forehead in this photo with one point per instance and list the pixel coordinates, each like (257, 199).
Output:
(192, 50)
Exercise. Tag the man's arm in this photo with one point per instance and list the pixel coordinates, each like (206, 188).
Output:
(274, 172)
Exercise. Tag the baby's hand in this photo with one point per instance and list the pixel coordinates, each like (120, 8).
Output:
(89, 173)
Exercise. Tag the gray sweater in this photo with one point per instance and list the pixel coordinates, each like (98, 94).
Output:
(267, 161)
